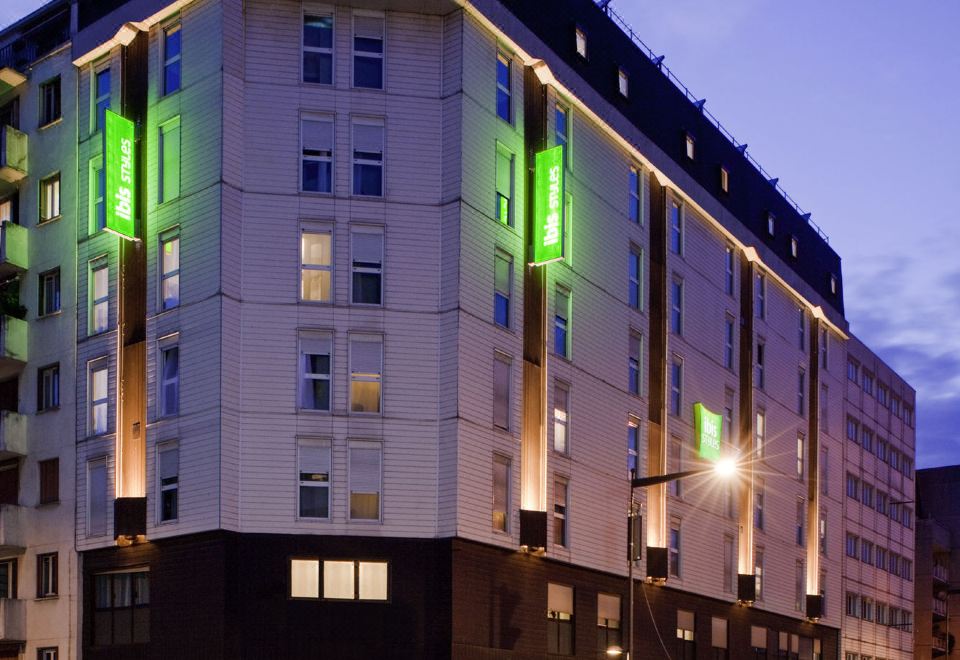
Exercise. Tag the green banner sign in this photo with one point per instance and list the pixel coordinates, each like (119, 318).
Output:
(548, 203)
(708, 427)
(120, 175)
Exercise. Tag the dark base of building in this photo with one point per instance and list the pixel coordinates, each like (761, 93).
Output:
(224, 596)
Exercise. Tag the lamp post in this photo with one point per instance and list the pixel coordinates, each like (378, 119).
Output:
(724, 468)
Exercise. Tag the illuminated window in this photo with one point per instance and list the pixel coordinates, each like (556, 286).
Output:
(170, 269)
(168, 480)
(50, 101)
(560, 504)
(316, 266)
(635, 277)
(315, 372)
(50, 198)
(758, 509)
(98, 282)
(608, 623)
(318, 49)
(313, 470)
(501, 391)
(635, 185)
(47, 575)
(634, 363)
(168, 169)
(168, 381)
(690, 146)
(559, 619)
(366, 373)
(171, 59)
(316, 136)
(304, 578)
(686, 640)
(48, 387)
(623, 82)
(504, 183)
(833, 285)
(633, 446)
(794, 247)
(97, 497)
(758, 571)
(501, 493)
(48, 290)
(101, 97)
(561, 322)
(367, 265)
(771, 224)
(800, 590)
(368, 158)
(724, 179)
(719, 643)
(97, 395)
(368, 51)
(502, 286)
(364, 475)
(341, 579)
(561, 417)
(581, 42)
(121, 608)
(504, 94)
(801, 443)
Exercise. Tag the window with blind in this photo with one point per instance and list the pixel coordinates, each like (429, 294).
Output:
(559, 619)
(505, 185)
(315, 371)
(366, 373)
(168, 480)
(49, 480)
(608, 624)
(501, 493)
(95, 187)
(170, 269)
(561, 417)
(366, 246)
(502, 288)
(560, 504)
(339, 579)
(368, 139)
(97, 497)
(97, 396)
(316, 265)
(561, 322)
(368, 51)
(318, 49)
(168, 186)
(171, 58)
(313, 469)
(634, 361)
(501, 391)
(316, 137)
(168, 382)
(686, 639)
(364, 475)
(718, 638)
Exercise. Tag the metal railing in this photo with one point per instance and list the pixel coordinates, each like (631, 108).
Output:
(939, 606)
(940, 573)
(699, 104)
(940, 641)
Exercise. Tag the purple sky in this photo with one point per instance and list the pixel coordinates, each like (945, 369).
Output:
(849, 104)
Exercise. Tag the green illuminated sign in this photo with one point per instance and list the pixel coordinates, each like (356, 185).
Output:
(548, 206)
(120, 175)
(708, 427)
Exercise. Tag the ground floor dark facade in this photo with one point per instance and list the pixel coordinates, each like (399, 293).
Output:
(220, 596)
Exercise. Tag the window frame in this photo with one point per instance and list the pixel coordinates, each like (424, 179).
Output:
(561, 416)
(303, 376)
(500, 256)
(94, 366)
(371, 446)
(623, 82)
(562, 321)
(167, 61)
(52, 402)
(504, 154)
(49, 189)
(96, 204)
(317, 230)
(48, 303)
(558, 621)
(560, 514)
(504, 91)
(635, 281)
(169, 236)
(304, 48)
(357, 377)
(507, 463)
(367, 268)
(48, 577)
(365, 54)
(323, 444)
(50, 115)
(318, 155)
(172, 484)
(164, 133)
(93, 302)
(98, 68)
(356, 161)
(166, 347)
(635, 192)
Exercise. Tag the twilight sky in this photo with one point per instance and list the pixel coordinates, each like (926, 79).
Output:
(849, 104)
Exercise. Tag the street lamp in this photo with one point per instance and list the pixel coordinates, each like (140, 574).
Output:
(725, 468)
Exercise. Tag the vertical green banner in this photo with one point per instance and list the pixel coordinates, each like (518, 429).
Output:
(707, 427)
(548, 203)
(120, 175)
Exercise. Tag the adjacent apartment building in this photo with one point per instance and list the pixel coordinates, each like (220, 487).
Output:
(938, 526)
(373, 311)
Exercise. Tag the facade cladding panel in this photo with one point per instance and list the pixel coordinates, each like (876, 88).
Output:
(326, 192)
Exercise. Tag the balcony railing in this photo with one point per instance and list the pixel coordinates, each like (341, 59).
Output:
(940, 642)
(13, 620)
(13, 435)
(11, 530)
(13, 249)
(13, 154)
(939, 606)
(940, 573)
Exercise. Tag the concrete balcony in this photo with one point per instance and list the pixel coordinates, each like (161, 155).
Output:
(10, 79)
(13, 155)
(13, 620)
(13, 346)
(13, 435)
(939, 643)
(13, 249)
(11, 530)
(940, 573)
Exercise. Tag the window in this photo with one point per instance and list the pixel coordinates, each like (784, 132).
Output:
(501, 493)
(758, 496)
(505, 185)
(623, 82)
(867, 382)
(866, 610)
(674, 549)
(634, 362)
(168, 384)
(691, 146)
(49, 480)
(676, 385)
(675, 487)
(728, 415)
(758, 571)
(581, 42)
(560, 503)
(635, 200)
(366, 373)
(169, 269)
(50, 101)
(833, 285)
(501, 391)
(608, 623)
(676, 306)
(97, 497)
(799, 586)
(729, 564)
(561, 322)
(316, 168)
(853, 371)
(771, 224)
(7, 212)
(801, 520)
(853, 487)
(728, 337)
(561, 417)
(724, 179)
(882, 619)
(504, 71)
(315, 372)
(633, 446)
(882, 395)
(823, 535)
(559, 619)
(316, 266)
(168, 480)
(761, 350)
(881, 502)
(761, 296)
(47, 575)
(502, 286)
(676, 228)
(168, 167)
(882, 450)
(47, 653)
(728, 264)
(853, 544)
(368, 158)
(686, 641)
(48, 387)
(760, 434)
(824, 350)
(97, 395)
(50, 198)
(367, 266)
(304, 578)
(121, 609)
(49, 292)
(907, 517)
(718, 638)
(365, 470)
(318, 49)
(368, 51)
(824, 470)
(801, 329)
(561, 130)
(895, 406)
(171, 59)
(853, 430)
(96, 184)
(853, 604)
(866, 438)
(313, 476)
(10, 481)
(866, 552)
(349, 580)
(635, 277)
(101, 97)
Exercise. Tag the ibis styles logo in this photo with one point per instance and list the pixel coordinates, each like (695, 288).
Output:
(708, 427)
(120, 182)
(548, 220)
